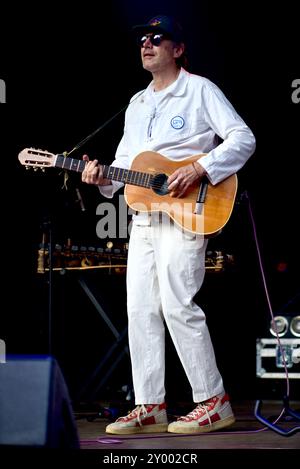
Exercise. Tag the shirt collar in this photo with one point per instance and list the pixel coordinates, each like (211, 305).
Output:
(177, 88)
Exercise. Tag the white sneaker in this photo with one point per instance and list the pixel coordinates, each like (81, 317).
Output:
(149, 418)
(213, 414)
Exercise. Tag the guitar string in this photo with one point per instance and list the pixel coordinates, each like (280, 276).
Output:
(130, 180)
(138, 174)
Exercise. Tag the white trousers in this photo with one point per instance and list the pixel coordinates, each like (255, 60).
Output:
(165, 270)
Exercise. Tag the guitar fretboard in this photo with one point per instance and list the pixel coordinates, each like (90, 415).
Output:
(127, 176)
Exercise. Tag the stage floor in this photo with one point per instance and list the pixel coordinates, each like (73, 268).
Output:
(246, 433)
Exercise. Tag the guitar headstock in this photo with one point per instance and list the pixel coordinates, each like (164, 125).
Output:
(35, 158)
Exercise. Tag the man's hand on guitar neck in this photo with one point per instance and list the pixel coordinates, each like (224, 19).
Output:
(93, 173)
(184, 177)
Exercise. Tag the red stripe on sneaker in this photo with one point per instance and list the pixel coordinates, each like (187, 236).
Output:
(225, 398)
(150, 407)
(146, 421)
(162, 406)
(214, 418)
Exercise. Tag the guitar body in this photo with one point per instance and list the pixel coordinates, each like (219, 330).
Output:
(216, 209)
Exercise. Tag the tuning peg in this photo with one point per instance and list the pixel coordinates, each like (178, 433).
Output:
(27, 167)
(35, 169)
(43, 170)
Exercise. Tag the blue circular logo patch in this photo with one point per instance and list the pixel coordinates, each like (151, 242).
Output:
(177, 122)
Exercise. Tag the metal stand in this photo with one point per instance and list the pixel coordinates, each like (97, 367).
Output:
(91, 386)
(47, 247)
(287, 412)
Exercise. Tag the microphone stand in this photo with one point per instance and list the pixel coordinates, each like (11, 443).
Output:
(50, 290)
(47, 233)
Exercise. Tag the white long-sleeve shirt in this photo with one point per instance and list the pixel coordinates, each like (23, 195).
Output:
(185, 119)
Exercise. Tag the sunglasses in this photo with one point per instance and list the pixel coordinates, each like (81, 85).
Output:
(155, 39)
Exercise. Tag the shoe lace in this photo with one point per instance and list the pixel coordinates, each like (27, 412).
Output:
(202, 407)
(136, 412)
(141, 410)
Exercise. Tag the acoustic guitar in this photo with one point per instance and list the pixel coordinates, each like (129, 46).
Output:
(205, 209)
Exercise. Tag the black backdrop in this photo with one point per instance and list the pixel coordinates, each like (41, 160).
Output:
(66, 73)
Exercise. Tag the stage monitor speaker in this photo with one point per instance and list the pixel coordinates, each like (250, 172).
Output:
(35, 407)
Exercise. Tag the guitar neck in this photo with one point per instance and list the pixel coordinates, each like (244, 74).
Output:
(127, 176)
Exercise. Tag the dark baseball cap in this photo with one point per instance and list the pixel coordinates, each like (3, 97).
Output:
(162, 24)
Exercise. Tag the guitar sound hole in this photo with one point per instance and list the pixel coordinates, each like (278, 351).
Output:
(159, 184)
